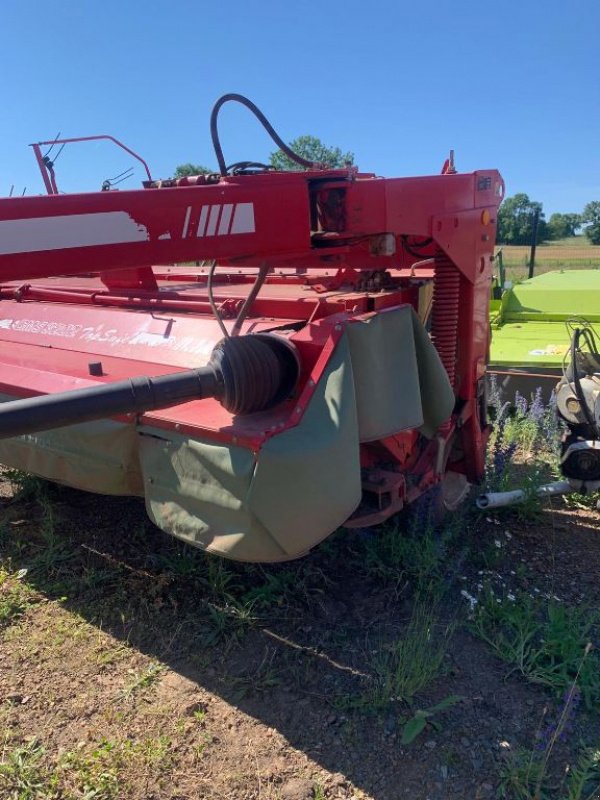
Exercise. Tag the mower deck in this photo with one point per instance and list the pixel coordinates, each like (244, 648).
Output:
(530, 334)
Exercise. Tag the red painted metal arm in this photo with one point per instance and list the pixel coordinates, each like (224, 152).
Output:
(46, 166)
(311, 218)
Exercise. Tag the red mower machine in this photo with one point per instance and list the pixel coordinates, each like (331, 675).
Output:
(322, 365)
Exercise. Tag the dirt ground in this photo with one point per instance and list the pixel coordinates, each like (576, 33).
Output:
(134, 667)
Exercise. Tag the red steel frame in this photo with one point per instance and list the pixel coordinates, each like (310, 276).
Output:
(325, 234)
(46, 165)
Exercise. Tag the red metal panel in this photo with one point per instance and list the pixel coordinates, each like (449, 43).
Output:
(177, 340)
(61, 234)
(257, 218)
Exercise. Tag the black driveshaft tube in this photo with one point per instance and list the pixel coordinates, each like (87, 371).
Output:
(135, 395)
(246, 374)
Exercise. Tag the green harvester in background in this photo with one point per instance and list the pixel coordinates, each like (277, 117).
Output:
(531, 331)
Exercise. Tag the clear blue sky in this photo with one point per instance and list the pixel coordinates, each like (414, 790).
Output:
(513, 85)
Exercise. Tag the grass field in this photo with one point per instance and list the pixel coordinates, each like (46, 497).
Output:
(572, 253)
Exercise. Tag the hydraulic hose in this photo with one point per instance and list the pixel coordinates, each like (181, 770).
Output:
(239, 98)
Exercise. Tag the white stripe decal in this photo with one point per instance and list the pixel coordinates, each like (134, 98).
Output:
(186, 222)
(212, 220)
(202, 221)
(76, 230)
(225, 219)
(243, 219)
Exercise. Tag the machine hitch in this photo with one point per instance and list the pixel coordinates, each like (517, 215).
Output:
(246, 374)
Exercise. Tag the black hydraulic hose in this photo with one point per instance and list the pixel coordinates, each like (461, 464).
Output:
(211, 299)
(243, 313)
(414, 249)
(239, 98)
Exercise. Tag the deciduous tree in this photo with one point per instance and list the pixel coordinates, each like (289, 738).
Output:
(591, 216)
(312, 149)
(561, 226)
(515, 220)
(185, 170)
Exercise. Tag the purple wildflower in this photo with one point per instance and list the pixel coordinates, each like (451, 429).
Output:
(495, 395)
(502, 458)
(521, 405)
(561, 727)
(537, 408)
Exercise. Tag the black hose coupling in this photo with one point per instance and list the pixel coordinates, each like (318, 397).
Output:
(254, 372)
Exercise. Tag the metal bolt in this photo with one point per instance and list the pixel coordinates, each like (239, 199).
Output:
(95, 368)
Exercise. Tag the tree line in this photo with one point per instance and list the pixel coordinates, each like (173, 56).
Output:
(516, 220)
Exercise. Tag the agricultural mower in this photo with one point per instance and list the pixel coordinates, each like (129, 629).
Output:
(322, 363)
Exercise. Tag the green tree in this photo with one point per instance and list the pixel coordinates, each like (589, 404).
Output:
(562, 225)
(185, 170)
(312, 149)
(515, 220)
(591, 216)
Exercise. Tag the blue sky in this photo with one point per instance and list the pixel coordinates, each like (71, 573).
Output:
(512, 85)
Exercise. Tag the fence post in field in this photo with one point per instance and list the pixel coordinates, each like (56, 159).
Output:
(536, 219)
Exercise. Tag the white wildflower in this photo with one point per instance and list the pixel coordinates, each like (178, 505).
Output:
(472, 601)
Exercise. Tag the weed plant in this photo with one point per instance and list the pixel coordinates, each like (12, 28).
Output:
(414, 549)
(427, 716)
(408, 665)
(528, 774)
(27, 774)
(543, 640)
(25, 485)
(400, 669)
(15, 597)
(22, 775)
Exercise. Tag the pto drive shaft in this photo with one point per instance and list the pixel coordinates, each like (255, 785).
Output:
(246, 374)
